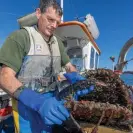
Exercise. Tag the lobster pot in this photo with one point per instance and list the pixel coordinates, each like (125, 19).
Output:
(106, 109)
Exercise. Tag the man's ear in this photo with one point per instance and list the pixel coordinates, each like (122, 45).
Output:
(38, 13)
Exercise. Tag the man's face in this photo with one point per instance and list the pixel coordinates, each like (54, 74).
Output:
(48, 21)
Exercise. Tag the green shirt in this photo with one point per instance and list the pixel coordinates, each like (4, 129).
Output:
(17, 46)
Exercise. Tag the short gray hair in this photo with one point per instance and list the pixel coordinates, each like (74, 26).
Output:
(44, 4)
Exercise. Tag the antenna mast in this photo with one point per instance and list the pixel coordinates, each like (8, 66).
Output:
(61, 2)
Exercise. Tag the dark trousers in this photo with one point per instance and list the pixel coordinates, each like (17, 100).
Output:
(7, 126)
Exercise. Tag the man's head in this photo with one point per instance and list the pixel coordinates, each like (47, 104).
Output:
(49, 16)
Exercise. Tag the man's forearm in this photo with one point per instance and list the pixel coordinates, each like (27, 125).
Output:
(8, 82)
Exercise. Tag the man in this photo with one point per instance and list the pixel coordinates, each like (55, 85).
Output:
(29, 58)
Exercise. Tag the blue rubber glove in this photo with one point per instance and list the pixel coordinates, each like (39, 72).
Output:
(83, 92)
(50, 110)
(74, 77)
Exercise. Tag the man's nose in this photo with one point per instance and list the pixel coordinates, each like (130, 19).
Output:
(54, 24)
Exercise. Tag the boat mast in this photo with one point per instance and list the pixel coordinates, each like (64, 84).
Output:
(61, 3)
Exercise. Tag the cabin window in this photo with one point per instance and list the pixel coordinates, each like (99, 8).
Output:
(65, 43)
(75, 55)
(92, 58)
(96, 60)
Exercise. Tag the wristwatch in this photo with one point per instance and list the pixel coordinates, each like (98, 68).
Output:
(18, 91)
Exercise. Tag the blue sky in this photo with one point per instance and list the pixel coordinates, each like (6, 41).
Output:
(113, 17)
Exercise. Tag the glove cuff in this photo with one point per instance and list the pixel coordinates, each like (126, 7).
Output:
(30, 98)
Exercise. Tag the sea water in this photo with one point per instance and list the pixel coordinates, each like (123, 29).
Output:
(127, 78)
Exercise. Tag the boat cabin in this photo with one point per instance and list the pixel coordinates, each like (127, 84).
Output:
(79, 45)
